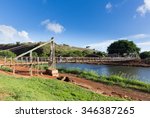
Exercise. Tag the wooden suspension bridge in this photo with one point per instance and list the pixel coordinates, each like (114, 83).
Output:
(43, 60)
(30, 61)
(26, 61)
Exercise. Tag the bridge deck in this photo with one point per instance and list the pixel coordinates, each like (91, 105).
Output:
(41, 60)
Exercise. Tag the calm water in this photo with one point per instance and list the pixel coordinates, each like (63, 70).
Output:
(141, 73)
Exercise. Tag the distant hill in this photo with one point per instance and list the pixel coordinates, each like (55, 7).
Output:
(61, 50)
(18, 48)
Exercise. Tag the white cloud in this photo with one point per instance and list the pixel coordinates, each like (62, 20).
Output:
(145, 46)
(102, 46)
(108, 7)
(144, 43)
(53, 27)
(136, 36)
(9, 34)
(145, 8)
(24, 34)
(7, 31)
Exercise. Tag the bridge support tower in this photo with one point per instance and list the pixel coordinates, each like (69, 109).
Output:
(52, 61)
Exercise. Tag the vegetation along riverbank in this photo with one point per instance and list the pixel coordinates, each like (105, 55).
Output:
(111, 80)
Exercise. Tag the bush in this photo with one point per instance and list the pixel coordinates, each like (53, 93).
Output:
(34, 54)
(7, 53)
(147, 60)
(7, 69)
(110, 80)
(74, 53)
(145, 55)
(86, 52)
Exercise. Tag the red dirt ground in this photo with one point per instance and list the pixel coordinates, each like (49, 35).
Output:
(100, 88)
(109, 90)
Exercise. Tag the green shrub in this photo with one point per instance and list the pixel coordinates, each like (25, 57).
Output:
(145, 55)
(147, 60)
(7, 53)
(4, 68)
(110, 80)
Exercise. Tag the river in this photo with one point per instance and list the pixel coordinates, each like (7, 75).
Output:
(140, 73)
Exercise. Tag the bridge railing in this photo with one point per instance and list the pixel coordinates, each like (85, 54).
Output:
(37, 60)
(93, 59)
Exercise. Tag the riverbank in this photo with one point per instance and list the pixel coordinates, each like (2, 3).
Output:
(108, 90)
(110, 80)
(119, 61)
(135, 63)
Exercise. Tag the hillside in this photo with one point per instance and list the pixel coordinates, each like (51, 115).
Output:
(18, 48)
(61, 50)
(35, 88)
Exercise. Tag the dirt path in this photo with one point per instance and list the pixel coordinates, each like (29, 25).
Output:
(100, 88)
(110, 90)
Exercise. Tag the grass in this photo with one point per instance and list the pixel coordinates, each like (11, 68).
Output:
(7, 69)
(37, 89)
(111, 80)
(41, 67)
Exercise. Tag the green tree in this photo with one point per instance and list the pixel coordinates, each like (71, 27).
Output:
(101, 54)
(34, 54)
(18, 43)
(74, 53)
(123, 46)
(86, 52)
(7, 53)
(145, 55)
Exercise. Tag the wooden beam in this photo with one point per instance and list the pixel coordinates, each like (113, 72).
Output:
(34, 48)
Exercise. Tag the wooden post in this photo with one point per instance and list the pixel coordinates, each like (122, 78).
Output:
(52, 61)
(14, 69)
(11, 61)
(21, 59)
(37, 65)
(5, 61)
(26, 59)
(31, 64)
(41, 67)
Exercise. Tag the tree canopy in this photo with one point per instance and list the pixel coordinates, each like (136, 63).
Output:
(145, 55)
(123, 46)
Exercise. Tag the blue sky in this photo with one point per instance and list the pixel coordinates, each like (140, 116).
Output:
(95, 23)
